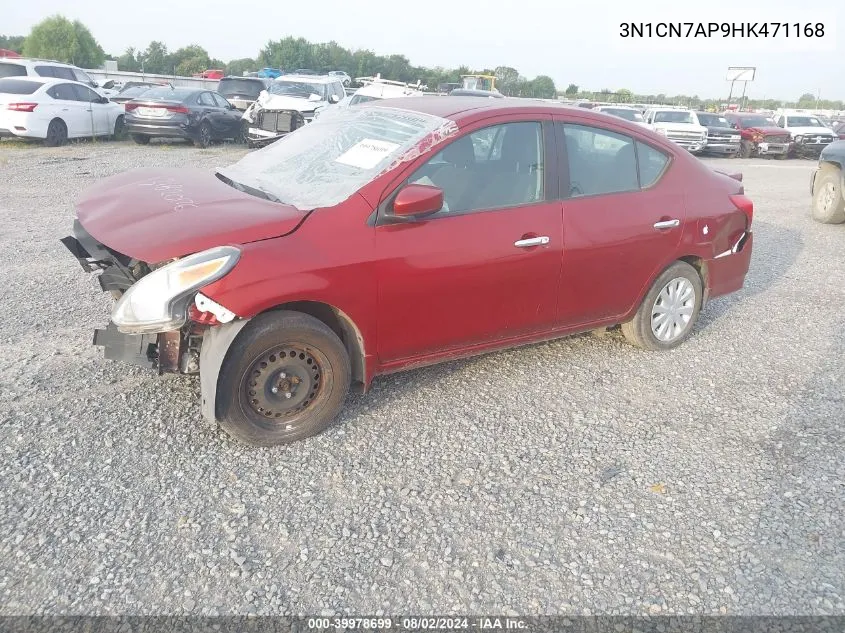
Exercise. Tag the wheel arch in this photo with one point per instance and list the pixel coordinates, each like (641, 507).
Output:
(342, 325)
(835, 163)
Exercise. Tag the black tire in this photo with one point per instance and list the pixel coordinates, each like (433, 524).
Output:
(746, 148)
(56, 133)
(638, 331)
(203, 138)
(119, 130)
(287, 351)
(141, 139)
(243, 134)
(828, 202)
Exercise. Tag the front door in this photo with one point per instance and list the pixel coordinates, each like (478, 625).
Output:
(485, 267)
(619, 222)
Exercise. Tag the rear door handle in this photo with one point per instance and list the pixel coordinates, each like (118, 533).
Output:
(531, 241)
(667, 224)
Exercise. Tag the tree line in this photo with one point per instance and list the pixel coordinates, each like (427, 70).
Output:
(70, 41)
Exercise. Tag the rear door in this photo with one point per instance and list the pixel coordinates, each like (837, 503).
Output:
(484, 268)
(620, 226)
(75, 113)
(210, 113)
(230, 118)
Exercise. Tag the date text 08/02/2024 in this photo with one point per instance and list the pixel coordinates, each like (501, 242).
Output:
(794, 30)
(418, 623)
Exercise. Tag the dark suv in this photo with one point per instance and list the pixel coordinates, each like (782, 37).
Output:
(242, 92)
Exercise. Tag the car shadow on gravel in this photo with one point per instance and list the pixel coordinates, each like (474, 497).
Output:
(776, 248)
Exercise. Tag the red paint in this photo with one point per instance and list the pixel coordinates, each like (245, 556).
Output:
(415, 200)
(433, 288)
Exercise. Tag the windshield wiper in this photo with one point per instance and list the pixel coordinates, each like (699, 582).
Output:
(253, 191)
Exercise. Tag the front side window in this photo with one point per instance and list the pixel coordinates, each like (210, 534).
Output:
(600, 161)
(83, 93)
(494, 167)
(81, 76)
(220, 101)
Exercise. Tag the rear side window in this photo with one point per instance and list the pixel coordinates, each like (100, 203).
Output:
(12, 70)
(55, 71)
(600, 161)
(18, 86)
(652, 164)
(64, 92)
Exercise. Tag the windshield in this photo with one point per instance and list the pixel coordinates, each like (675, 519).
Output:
(362, 99)
(325, 162)
(672, 117)
(803, 121)
(299, 89)
(756, 121)
(713, 120)
(168, 94)
(625, 113)
(246, 87)
(133, 91)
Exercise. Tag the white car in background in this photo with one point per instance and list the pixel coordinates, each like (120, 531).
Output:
(48, 69)
(678, 125)
(376, 88)
(289, 103)
(623, 112)
(808, 134)
(55, 110)
(345, 79)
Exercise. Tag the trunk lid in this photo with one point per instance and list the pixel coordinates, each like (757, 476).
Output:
(158, 214)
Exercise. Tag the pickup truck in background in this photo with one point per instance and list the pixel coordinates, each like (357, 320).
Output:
(680, 126)
(722, 139)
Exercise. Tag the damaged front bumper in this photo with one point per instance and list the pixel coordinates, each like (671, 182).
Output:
(270, 125)
(175, 351)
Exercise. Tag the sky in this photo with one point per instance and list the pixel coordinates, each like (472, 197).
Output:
(573, 42)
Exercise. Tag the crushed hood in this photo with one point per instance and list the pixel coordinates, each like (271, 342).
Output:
(158, 214)
(286, 102)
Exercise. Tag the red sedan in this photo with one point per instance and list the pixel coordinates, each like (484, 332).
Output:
(390, 236)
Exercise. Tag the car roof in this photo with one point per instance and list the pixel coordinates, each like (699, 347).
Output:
(47, 81)
(312, 79)
(35, 60)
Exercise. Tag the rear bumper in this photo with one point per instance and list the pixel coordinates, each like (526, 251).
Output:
(172, 130)
(726, 272)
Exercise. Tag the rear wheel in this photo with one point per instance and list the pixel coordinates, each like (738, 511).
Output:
(141, 139)
(828, 202)
(204, 136)
(56, 133)
(285, 378)
(669, 311)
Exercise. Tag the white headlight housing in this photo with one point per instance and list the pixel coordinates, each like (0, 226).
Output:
(159, 301)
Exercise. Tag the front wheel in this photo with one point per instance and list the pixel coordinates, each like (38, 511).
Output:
(141, 139)
(284, 378)
(828, 201)
(669, 311)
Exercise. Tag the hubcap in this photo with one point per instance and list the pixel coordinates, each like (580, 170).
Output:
(283, 382)
(672, 311)
(827, 195)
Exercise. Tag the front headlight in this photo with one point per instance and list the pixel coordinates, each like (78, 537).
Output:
(159, 301)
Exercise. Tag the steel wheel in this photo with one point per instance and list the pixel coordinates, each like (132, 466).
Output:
(672, 311)
(828, 202)
(283, 383)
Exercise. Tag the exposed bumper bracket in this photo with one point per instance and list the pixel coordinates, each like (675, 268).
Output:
(215, 344)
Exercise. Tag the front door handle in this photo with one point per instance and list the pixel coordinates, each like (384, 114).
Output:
(667, 224)
(532, 241)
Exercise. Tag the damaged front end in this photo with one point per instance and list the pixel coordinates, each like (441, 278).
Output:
(166, 338)
(268, 125)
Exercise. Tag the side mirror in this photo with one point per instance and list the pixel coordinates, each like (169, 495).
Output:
(334, 99)
(416, 201)
(102, 100)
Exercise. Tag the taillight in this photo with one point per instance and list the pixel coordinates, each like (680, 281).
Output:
(181, 109)
(745, 205)
(130, 106)
(22, 107)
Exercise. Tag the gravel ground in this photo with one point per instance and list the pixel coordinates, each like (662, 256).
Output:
(581, 476)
